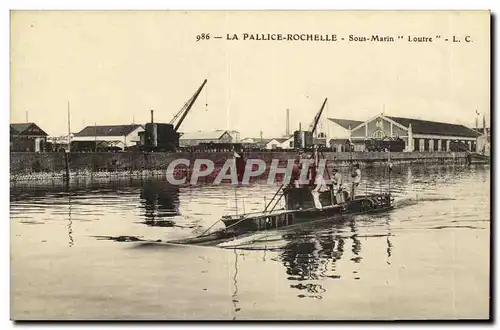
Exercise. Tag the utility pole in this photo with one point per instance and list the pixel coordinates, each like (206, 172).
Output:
(95, 136)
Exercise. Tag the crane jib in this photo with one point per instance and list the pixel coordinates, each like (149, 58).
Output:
(187, 107)
(314, 124)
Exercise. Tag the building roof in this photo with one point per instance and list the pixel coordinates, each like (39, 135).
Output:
(210, 135)
(280, 140)
(346, 123)
(258, 139)
(419, 126)
(481, 130)
(108, 130)
(23, 127)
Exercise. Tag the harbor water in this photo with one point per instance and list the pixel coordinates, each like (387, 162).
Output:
(96, 251)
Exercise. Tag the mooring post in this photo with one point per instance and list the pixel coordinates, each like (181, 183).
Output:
(66, 163)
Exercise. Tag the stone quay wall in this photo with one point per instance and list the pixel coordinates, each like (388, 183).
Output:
(25, 166)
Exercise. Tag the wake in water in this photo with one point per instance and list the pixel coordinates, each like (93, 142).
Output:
(408, 201)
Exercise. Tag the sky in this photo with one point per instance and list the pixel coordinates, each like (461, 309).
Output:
(115, 66)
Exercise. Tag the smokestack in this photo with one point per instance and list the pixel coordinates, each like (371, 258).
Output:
(300, 126)
(287, 122)
(152, 118)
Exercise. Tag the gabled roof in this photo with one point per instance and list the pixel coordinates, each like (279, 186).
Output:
(346, 123)
(419, 126)
(280, 140)
(22, 127)
(108, 130)
(210, 135)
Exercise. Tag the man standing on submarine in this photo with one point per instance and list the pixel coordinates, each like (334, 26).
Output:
(240, 165)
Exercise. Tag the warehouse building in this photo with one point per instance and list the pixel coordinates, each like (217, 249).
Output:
(418, 135)
(27, 137)
(108, 136)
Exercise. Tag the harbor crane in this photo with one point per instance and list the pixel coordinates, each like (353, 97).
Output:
(163, 136)
(304, 139)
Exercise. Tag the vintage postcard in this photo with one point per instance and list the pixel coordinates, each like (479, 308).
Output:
(250, 165)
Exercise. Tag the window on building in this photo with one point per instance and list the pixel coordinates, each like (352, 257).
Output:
(291, 144)
(379, 134)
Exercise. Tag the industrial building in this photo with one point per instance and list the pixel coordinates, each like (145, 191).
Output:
(418, 135)
(340, 131)
(192, 139)
(27, 137)
(109, 136)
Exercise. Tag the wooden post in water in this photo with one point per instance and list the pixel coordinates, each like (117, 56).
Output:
(66, 165)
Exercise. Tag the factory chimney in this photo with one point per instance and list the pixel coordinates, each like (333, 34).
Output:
(152, 118)
(287, 122)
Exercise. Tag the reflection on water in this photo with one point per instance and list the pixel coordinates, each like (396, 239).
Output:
(160, 201)
(441, 226)
(235, 284)
(70, 223)
(308, 257)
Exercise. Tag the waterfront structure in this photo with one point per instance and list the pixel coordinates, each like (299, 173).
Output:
(418, 135)
(58, 143)
(192, 139)
(120, 136)
(276, 143)
(27, 137)
(340, 132)
(255, 142)
(287, 142)
(284, 142)
(235, 136)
